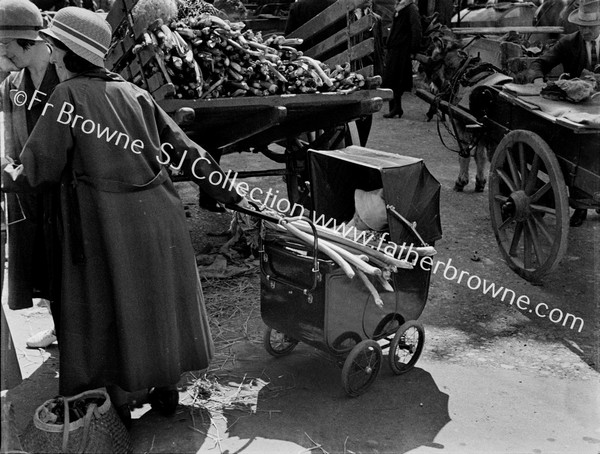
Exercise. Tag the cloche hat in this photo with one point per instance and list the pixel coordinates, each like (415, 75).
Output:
(20, 19)
(84, 32)
(588, 13)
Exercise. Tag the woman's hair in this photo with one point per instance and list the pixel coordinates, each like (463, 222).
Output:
(25, 43)
(73, 62)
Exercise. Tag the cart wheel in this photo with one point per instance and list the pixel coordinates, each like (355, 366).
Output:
(361, 367)
(278, 344)
(406, 347)
(528, 204)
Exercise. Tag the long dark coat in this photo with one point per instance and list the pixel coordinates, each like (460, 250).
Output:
(404, 40)
(133, 311)
(32, 237)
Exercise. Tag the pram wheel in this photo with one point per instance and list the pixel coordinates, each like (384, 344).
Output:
(406, 347)
(361, 367)
(277, 343)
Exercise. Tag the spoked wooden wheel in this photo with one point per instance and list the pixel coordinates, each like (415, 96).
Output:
(361, 367)
(278, 344)
(528, 204)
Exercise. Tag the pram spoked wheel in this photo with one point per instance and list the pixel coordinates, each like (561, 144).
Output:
(406, 347)
(361, 367)
(278, 344)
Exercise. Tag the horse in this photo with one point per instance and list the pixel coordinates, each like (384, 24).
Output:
(447, 68)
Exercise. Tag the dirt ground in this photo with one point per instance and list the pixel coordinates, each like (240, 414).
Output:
(491, 378)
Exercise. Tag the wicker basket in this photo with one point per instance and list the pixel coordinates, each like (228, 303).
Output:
(99, 431)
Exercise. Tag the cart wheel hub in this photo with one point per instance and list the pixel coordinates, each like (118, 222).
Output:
(369, 370)
(517, 206)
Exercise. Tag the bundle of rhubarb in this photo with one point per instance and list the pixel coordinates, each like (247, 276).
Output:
(372, 261)
(206, 56)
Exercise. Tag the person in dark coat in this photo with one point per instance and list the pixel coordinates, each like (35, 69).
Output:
(403, 43)
(133, 314)
(576, 52)
(33, 244)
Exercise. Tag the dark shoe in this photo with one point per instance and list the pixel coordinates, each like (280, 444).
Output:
(164, 399)
(124, 415)
(578, 217)
(210, 205)
(394, 113)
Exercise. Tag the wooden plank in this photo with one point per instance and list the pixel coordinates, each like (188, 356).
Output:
(361, 50)
(146, 55)
(155, 82)
(504, 30)
(119, 11)
(367, 71)
(326, 18)
(341, 37)
(135, 68)
(166, 91)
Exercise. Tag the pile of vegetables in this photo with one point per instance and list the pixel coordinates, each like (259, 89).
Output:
(205, 56)
(365, 261)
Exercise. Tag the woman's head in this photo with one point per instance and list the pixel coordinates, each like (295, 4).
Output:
(67, 62)
(79, 39)
(20, 22)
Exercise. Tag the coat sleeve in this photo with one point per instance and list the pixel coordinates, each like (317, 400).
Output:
(198, 166)
(44, 156)
(559, 53)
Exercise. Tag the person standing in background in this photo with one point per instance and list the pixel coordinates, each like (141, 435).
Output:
(33, 244)
(403, 43)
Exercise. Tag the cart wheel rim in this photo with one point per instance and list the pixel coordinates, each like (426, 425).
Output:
(406, 347)
(361, 367)
(528, 204)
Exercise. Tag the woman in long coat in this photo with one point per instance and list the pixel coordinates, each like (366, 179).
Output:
(132, 305)
(404, 42)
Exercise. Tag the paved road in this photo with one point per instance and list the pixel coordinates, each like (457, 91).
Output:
(492, 378)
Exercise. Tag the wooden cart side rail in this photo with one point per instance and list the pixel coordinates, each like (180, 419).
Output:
(504, 30)
(343, 43)
(317, 99)
(341, 37)
(327, 17)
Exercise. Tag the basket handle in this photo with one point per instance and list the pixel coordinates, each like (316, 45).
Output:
(66, 424)
(86, 427)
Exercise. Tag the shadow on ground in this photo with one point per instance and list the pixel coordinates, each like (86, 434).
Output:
(300, 403)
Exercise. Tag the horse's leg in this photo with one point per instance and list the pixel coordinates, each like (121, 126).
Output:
(480, 159)
(463, 174)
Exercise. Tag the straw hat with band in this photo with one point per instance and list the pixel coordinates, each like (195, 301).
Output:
(84, 32)
(20, 19)
(588, 13)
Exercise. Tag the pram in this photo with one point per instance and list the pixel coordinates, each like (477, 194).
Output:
(306, 297)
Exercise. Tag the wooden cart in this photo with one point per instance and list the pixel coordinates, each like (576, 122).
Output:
(541, 165)
(297, 122)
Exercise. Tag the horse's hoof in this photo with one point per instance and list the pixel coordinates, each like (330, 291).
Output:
(480, 185)
(459, 185)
